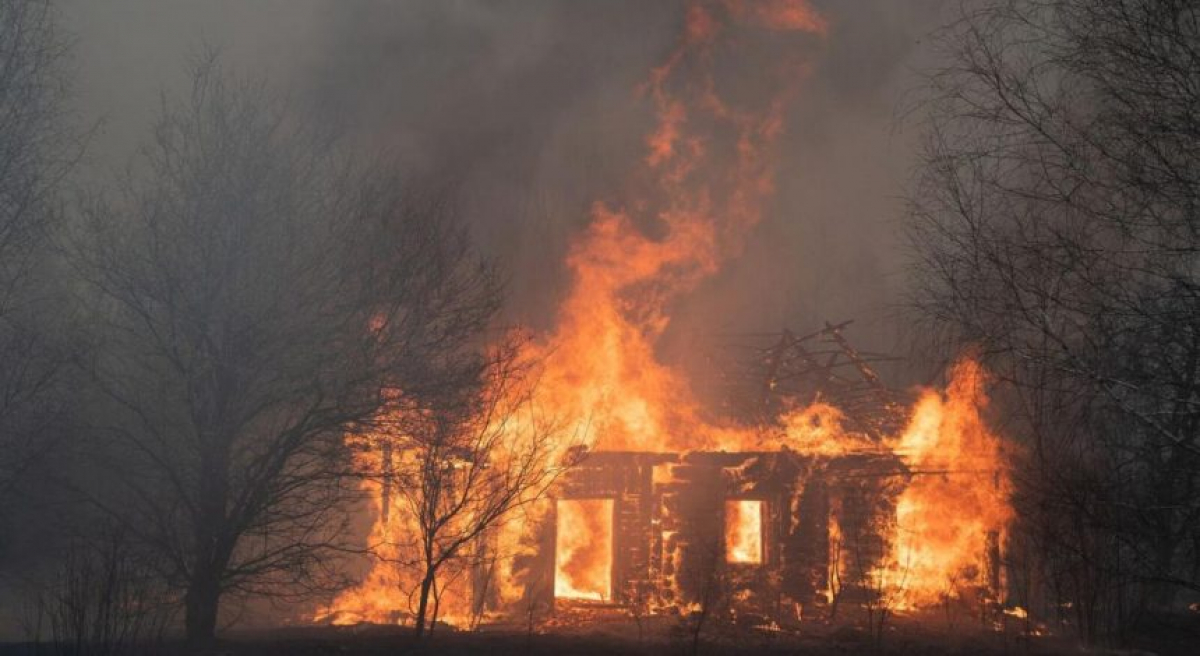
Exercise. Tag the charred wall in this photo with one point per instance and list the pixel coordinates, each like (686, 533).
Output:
(669, 535)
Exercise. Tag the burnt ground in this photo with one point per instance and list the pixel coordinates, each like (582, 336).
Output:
(665, 637)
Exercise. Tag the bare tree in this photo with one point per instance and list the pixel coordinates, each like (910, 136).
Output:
(1057, 226)
(466, 464)
(706, 569)
(36, 151)
(254, 296)
(638, 593)
(883, 583)
(107, 599)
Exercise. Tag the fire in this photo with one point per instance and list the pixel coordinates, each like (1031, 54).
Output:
(819, 429)
(710, 164)
(381, 594)
(743, 531)
(956, 508)
(385, 596)
(709, 173)
(583, 554)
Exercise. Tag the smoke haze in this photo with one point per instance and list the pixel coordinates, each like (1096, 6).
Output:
(530, 111)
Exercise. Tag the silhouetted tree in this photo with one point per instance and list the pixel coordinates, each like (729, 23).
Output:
(1057, 224)
(37, 149)
(255, 294)
(464, 467)
(106, 600)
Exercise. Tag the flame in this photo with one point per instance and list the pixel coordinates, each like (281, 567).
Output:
(949, 517)
(710, 164)
(743, 531)
(386, 595)
(780, 14)
(382, 593)
(1017, 612)
(835, 573)
(706, 177)
(583, 554)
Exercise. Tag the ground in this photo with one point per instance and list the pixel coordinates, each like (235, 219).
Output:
(666, 637)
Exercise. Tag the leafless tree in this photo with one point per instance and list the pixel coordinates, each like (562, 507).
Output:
(638, 595)
(706, 568)
(467, 464)
(882, 583)
(1056, 225)
(107, 599)
(37, 149)
(254, 294)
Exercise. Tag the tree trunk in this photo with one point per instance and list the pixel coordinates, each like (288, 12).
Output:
(423, 606)
(200, 608)
(1164, 593)
(437, 606)
(212, 553)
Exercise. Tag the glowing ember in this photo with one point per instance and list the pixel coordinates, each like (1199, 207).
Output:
(1017, 612)
(743, 531)
(583, 554)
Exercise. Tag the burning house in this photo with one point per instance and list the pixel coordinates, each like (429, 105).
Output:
(811, 482)
(769, 531)
(884, 505)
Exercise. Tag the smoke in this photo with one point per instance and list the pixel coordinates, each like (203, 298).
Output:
(528, 108)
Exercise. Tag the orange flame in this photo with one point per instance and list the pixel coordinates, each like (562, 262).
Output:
(743, 531)
(956, 508)
(386, 595)
(583, 554)
(712, 167)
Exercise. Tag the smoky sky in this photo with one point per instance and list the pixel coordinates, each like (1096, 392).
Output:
(528, 108)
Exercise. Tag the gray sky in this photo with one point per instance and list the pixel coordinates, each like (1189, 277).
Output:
(529, 107)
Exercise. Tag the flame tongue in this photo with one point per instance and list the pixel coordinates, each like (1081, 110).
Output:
(711, 165)
(956, 507)
(583, 558)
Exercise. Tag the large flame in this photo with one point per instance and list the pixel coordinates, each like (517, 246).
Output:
(711, 164)
(709, 168)
(386, 595)
(956, 507)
